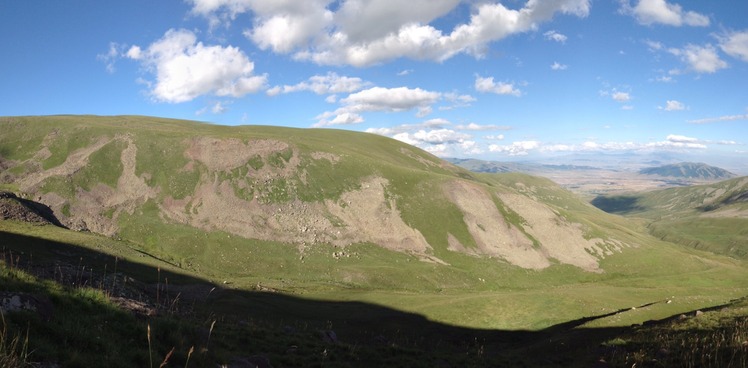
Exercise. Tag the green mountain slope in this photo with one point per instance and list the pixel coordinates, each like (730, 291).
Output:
(691, 170)
(712, 217)
(339, 215)
(164, 184)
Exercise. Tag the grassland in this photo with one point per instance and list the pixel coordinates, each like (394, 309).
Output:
(707, 217)
(386, 306)
(503, 320)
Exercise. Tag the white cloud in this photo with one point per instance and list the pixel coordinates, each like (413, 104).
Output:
(673, 105)
(404, 72)
(654, 45)
(439, 136)
(390, 99)
(720, 119)
(498, 137)
(672, 142)
(185, 68)
(478, 127)
(368, 20)
(621, 96)
(518, 148)
(437, 123)
(110, 57)
(487, 85)
(440, 142)
(558, 66)
(381, 99)
(456, 100)
(680, 139)
(134, 52)
(218, 108)
(701, 59)
(433, 136)
(664, 79)
(366, 32)
(331, 83)
(347, 118)
(552, 35)
(648, 12)
(735, 44)
(470, 148)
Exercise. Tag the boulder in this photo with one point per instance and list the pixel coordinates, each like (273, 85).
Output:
(18, 301)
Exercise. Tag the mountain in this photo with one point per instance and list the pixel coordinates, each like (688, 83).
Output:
(689, 170)
(712, 217)
(151, 181)
(483, 166)
(327, 229)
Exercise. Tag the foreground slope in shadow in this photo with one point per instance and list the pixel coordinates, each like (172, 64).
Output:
(227, 325)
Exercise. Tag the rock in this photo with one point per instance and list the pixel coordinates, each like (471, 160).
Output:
(17, 301)
(698, 313)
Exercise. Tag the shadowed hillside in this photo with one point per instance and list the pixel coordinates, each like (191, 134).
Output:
(204, 323)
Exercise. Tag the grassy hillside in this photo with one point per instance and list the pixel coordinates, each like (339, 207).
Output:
(691, 170)
(93, 281)
(711, 217)
(298, 225)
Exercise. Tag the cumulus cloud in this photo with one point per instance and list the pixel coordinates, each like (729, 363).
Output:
(368, 20)
(487, 85)
(648, 12)
(735, 44)
(366, 32)
(437, 136)
(381, 99)
(518, 148)
(434, 136)
(673, 105)
(558, 66)
(555, 36)
(700, 59)
(437, 123)
(331, 83)
(390, 99)
(185, 68)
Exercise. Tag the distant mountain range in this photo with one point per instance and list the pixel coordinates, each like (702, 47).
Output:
(483, 166)
(691, 170)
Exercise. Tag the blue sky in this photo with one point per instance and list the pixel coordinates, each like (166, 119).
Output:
(463, 78)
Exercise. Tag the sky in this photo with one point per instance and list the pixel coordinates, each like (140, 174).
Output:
(496, 80)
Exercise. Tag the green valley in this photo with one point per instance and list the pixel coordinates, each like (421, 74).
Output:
(250, 240)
